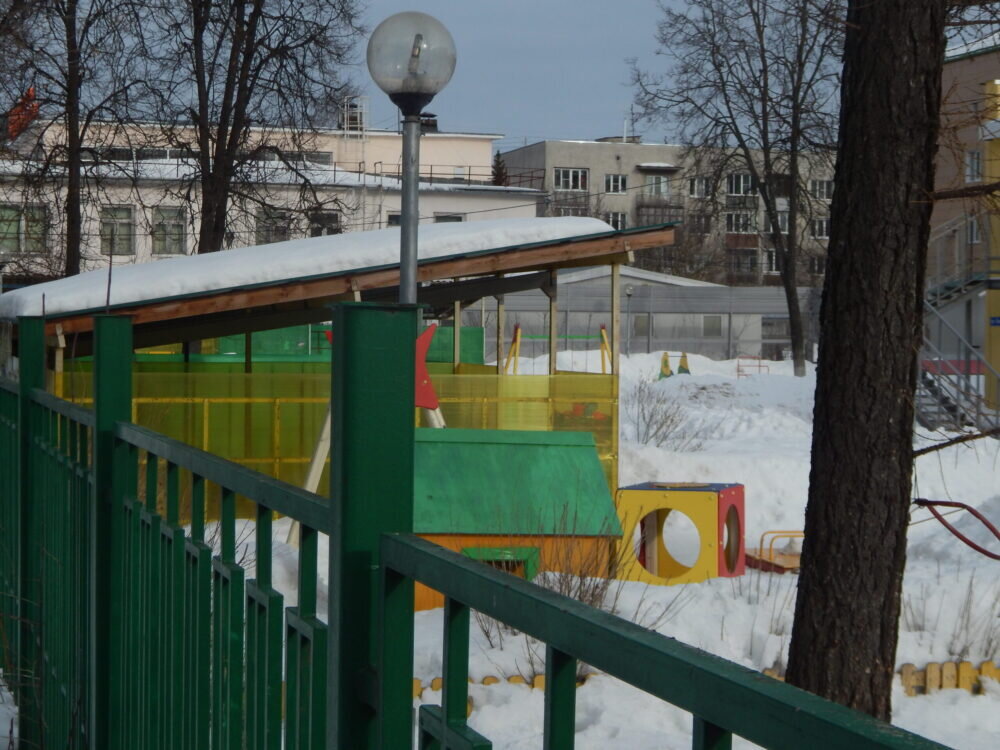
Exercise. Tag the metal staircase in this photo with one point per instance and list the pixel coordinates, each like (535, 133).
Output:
(957, 389)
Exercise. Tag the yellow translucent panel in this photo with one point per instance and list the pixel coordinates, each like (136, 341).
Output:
(270, 421)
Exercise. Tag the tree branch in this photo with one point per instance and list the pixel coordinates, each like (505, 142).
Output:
(957, 441)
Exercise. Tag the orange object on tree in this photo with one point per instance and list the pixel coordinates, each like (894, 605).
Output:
(22, 113)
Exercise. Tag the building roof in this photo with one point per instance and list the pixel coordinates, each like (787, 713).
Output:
(507, 482)
(631, 272)
(988, 43)
(288, 283)
(270, 173)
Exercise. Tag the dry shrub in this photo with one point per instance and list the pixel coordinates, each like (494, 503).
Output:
(657, 417)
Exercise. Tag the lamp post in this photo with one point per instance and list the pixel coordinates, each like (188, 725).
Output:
(411, 56)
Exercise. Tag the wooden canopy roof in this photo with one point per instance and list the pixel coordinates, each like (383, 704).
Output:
(464, 277)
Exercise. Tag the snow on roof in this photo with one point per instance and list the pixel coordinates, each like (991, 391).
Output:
(271, 173)
(966, 49)
(630, 272)
(657, 165)
(281, 261)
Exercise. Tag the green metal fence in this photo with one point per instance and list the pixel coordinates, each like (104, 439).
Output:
(124, 629)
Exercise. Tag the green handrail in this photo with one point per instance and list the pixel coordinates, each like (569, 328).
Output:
(724, 697)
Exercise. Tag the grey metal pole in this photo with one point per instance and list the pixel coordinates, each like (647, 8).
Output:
(409, 211)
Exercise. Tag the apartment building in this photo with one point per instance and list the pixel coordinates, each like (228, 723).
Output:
(141, 197)
(723, 237)
(963, 228)
(963, 263)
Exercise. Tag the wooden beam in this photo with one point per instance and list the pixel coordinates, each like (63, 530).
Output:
(556, 255)
(501, 325)
(456, 353)
(551, 291)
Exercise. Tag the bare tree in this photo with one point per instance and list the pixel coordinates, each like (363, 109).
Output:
(847, 612)
(74, 56)
(752, 89)
(238, 87)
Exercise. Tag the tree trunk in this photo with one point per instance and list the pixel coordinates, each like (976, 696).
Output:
(214, 205)
(847, 612)
(74, 221)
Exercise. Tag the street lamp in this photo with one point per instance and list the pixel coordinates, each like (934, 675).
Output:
(411, 56)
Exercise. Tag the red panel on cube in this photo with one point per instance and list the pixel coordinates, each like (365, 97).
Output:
(732, 555)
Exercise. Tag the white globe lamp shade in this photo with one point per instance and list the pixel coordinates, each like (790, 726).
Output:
(411, 56)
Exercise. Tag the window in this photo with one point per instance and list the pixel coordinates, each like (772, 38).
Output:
(273, 225)
(700, 187)
(817, 265)
(782, 223)
(973, 235)
(22, 229)
(614, 183)
(772, 262)
(168, 231)
(117, 230)
(322, 223)
(711, 326)
(658, 185)
(641, 325)
(973, 166)
(117, 154)
(145, 154)
(821, 190)
(741, 222)
(318, 157)
(571, 211)
(698, 223)
(448, 218)
(775, 328)
(743, 261)
(571, 178)
(392, 220)
(618, 219)
(821, 228)
(740, 183)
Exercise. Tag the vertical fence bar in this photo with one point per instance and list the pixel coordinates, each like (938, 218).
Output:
(560, 699)
(31, 351)
(371, 493)
(707, 736)
(455, 697)
(112, 403)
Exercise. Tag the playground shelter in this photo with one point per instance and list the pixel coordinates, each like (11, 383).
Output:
(267, 417)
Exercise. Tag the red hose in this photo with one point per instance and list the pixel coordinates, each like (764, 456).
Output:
(930, 505)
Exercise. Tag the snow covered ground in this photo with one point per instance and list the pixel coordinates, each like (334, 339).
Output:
(756, 431)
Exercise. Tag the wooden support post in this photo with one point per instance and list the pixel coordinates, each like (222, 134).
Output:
(456, 354)
(616, 317)
(501, 325)
(551, 291)
(248, 353)
(58, 343)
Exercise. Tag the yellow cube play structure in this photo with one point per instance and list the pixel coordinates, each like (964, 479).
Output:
(716, 512)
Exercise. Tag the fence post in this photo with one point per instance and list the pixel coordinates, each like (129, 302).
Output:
(31, 369)
(371, 493)
(112, 403)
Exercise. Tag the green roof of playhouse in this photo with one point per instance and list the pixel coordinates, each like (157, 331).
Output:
(510, 482)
